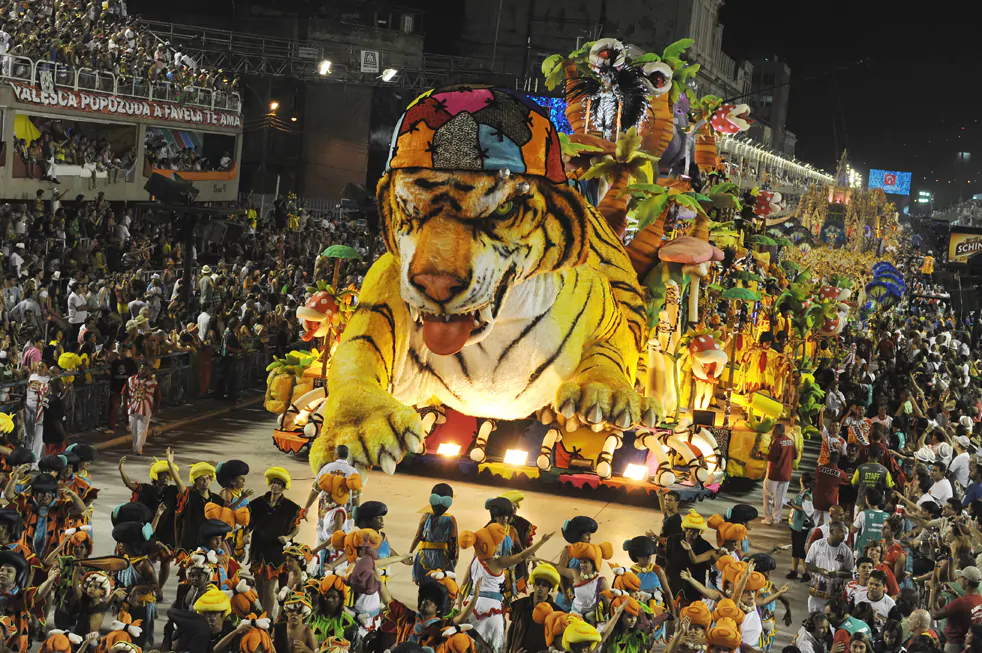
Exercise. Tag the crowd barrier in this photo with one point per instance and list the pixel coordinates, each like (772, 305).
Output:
(183, 377)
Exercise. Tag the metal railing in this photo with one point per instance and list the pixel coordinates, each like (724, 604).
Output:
(182, 378)
(30, 71)
(255, 54)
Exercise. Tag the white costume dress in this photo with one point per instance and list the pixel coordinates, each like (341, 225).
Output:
(488, 617)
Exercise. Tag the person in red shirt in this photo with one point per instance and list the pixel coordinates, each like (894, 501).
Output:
(959, 612)
(828, 478)
(780, 458)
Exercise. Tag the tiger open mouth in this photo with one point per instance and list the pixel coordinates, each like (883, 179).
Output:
(445, 334)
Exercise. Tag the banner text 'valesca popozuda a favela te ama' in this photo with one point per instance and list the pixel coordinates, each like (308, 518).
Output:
(90, 102)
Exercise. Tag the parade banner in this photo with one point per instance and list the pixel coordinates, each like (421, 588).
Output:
(963, 244)
(102, 103)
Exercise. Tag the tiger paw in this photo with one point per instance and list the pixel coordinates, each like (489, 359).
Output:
(377, 429)
(595, 399)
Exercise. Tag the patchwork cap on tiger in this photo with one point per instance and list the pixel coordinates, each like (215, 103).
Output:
(479, 128)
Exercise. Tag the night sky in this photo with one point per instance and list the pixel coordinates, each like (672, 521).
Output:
(908, 98)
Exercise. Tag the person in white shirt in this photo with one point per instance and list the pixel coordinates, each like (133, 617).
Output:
(37, 387)
(882, 417)
(204, 319)
(830, 562)
(856, 588)
(941, 490)
(876, 596)
(959, 466)
(78, 304)
(17, 261)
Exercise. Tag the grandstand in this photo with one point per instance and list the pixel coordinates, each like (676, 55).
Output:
(108, 104)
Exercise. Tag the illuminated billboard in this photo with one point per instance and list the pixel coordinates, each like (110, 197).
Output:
(897, 183)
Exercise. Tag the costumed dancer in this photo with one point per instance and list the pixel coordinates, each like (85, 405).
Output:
(767, 599)
(231, 476)
(656, 592)
(291, 633)
(329, 618)
(724, 636)
(44, 512)
(425, 625)
(274, 521)
(436, 535)
(11, 531)
(578, 529)
(523, 632)
(213, 548)
(336, 492)
(86, 456)
(191, 502)
(502, 511)
(209, 627)
(296, 557)
(326, 506)
(361, 549)
(588, 585)
(21, 603)
(136, 541)
(160, 497)
(487, 566)
(626, 636)
(82, 603)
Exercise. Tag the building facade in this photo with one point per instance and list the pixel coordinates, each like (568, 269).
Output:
(770, 87)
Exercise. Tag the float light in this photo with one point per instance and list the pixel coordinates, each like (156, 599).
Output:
(448, 449)
(293, 119)
(389, 74)
(274, 105)
(636, 472)
(516, 457)
(324, 68)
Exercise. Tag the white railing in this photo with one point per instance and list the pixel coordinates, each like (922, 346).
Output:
(30, 71)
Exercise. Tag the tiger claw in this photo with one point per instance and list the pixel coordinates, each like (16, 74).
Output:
(387, 463)
(595, 415)
(568, 409)
(429, 421)
(413, 443)
(623, 421)
(649, 419)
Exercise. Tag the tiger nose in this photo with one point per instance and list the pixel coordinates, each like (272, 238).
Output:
(438, 287)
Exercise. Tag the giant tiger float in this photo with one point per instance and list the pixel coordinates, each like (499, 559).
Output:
(508, 333)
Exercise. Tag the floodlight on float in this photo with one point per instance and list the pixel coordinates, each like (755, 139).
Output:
(389, 74)
(516, 457)
(448, 449)
(636, 472)
(324, 68)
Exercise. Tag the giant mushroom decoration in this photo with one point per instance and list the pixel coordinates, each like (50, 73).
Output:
(696, 256)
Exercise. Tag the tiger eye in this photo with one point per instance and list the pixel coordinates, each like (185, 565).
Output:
(504, 208)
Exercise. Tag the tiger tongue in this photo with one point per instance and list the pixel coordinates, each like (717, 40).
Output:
(447, 338)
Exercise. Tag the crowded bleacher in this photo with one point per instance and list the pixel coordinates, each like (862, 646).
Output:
(98, 37)
(101, 281)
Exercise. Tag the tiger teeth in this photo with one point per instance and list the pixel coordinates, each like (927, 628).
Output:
(446, 318)
(477, 323)
(485, 314)
(413, 313)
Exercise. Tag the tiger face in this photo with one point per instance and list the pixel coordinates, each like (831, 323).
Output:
(464, 239)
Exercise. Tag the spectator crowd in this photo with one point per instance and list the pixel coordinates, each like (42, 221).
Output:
(87, 283)
(99, 36)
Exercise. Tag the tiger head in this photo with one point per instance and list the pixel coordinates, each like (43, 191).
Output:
(464, 239)
(475, 202)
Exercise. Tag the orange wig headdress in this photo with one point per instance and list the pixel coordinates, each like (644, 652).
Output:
(485, 541)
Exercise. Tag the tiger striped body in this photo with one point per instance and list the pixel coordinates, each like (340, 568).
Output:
(558, 316)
